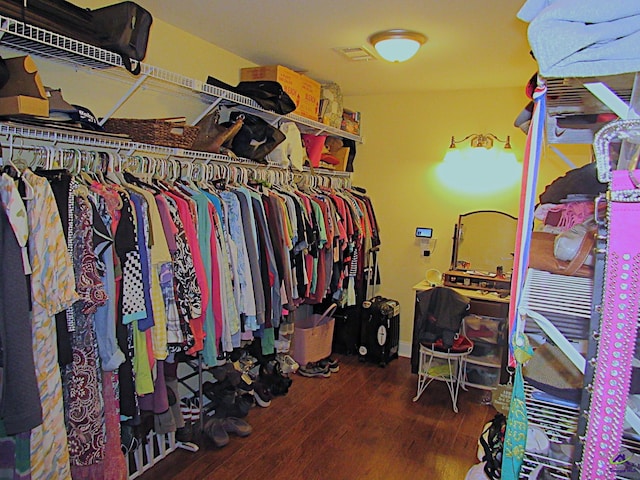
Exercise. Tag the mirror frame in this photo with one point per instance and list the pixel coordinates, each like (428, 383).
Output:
(457, 231)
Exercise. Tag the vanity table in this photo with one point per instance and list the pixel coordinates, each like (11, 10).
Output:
(481, 264)
(487, 326)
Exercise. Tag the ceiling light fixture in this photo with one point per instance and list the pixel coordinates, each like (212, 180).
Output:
(397, 45)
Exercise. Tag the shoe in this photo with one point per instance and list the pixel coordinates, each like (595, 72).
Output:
(185, 410)
(185, 434)
(215, 431)
(273, 378)
(244, 386)
(329, 362)
(314, 370)
(236, 426)
(262, 394)
(128, 440)
(219, 392)
(246, 362)
(195, 408)
(287, 363)
(242, 405)
(537, 441)
(222, 359)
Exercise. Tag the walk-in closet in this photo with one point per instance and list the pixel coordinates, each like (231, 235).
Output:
(247, 240)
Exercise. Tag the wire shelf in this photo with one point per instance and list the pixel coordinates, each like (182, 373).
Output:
(35, 40)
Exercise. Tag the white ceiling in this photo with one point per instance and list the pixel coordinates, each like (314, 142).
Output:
(471, 43)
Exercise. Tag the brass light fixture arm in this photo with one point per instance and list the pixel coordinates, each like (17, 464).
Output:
(482, 140)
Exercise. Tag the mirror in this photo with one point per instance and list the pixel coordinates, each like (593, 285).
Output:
(483, 241)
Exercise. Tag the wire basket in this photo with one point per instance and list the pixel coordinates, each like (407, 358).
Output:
(154, 131)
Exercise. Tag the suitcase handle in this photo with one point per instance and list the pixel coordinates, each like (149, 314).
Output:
(332, 308)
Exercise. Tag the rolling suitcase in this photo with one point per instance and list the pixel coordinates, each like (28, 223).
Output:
(380, 333)
(346, 333)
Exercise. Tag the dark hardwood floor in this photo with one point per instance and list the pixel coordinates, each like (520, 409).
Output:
(358, 424)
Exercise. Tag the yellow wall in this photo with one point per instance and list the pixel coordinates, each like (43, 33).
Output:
(405, 137)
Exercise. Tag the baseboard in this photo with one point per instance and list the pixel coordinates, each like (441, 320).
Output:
(404, 349)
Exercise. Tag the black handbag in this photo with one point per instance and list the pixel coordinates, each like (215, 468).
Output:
(256, 139)
(267, 93)
(123, 28)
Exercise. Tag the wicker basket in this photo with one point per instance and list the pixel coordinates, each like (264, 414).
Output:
(154, 131)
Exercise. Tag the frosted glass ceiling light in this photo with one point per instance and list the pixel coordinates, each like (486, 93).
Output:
(397, 45)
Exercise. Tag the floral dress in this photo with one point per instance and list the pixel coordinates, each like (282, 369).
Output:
(52, 291)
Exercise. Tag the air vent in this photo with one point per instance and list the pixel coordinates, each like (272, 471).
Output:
(355, 54)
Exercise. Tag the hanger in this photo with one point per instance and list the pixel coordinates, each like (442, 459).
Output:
(114, 168)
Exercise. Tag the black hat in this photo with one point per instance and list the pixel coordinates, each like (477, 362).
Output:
(86, 119)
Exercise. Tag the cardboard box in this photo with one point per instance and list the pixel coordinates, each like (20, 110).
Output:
(304, 91)
(310, 98)
(23, 105)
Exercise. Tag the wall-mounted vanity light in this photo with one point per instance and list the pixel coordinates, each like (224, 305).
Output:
(481, 166)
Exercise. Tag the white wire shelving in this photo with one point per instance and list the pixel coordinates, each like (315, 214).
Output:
(565, 303)
(37, 41)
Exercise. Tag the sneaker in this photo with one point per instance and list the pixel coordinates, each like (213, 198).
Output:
(185, 410)
(262, 394)
(195, 408)
(245, 385)
(314, 370)
(331, 363)
(272, 377)
(287, 363)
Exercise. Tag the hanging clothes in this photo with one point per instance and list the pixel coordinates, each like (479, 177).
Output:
(84, 407)
(131, 271)
(52, 291)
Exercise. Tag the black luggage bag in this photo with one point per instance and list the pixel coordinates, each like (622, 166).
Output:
(346, 330)
(122, 28)
(57, 16)
(380, 333)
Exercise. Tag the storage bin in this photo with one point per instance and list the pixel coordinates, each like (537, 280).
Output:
(312, 337)
(485, 376)
(479, 328)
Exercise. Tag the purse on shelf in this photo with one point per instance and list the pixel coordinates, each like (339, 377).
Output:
(268, 94)
(553, 253)
(256, 138)
(215, 137)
